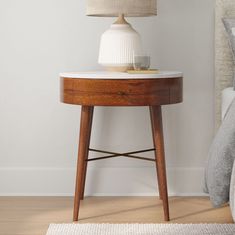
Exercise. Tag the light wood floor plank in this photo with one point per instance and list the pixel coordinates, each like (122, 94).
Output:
(32, 215)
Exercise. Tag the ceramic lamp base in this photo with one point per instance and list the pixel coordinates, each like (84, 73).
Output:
(118, 46)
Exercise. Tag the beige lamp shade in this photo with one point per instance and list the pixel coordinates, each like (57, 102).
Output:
(117, 7)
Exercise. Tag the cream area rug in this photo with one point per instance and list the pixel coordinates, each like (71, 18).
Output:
(141, 229)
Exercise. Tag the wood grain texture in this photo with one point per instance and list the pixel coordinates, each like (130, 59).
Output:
(32, 215)
(155, 152)
(156, 114)
(90, 119)
(121, 92)
(84, 140)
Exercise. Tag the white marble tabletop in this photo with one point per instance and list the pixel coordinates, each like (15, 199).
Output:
(116, 75)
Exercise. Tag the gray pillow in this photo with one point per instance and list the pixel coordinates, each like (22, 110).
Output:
(229, 24)
(221, 159)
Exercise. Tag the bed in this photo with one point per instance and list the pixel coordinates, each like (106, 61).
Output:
(220, 169)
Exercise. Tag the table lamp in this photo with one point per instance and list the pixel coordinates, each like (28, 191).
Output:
(119, 43)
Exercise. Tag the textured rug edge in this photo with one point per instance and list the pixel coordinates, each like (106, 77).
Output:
(141, 229)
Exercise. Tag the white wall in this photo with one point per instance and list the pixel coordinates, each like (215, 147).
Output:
(38, 134)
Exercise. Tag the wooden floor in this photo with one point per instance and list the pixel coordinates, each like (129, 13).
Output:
(32, 215)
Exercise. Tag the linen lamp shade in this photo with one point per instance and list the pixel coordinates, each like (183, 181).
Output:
(110, 8)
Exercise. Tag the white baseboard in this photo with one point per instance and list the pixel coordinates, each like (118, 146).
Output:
(100, 181)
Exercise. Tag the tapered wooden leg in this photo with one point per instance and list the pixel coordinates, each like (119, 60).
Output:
(87, 152)
(85, 128)
(155, 153)
(156, 114)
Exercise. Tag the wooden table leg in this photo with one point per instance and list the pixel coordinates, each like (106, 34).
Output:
(87, 152)
(156, 117)
(84, 139)
(155, 152)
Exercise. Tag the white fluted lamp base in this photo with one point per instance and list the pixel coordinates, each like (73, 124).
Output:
(118, 46)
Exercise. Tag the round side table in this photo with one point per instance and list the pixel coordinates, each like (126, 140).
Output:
(90, 89)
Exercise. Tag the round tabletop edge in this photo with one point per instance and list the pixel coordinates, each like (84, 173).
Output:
(119, 76)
